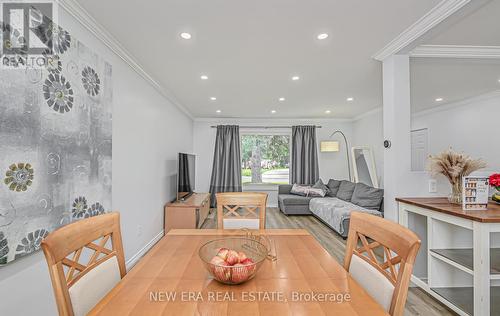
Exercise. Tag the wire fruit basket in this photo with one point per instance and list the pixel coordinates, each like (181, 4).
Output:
(233, 260)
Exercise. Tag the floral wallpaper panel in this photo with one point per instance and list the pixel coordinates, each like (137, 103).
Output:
(55, 141)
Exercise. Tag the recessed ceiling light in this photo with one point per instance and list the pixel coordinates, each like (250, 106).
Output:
(218, 111)
(213, 98)
(203, 77)
(185, 35)
(281, 99)
(350, 99)
(273, 111)
(322, 36)
(295, 78)
(328, 111)
(439, 99)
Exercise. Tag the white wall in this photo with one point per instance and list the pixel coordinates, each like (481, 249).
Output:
(448, 125)
(454, 125)
(331, 165)
(469, 126)
(367, 130)
(148, 132)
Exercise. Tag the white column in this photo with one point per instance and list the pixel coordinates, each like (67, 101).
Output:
(397, 125)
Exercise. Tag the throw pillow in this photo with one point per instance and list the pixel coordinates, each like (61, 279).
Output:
(346, 189)
(333, 186)
(367, 196)
(316, 192)
(319, 185)
(302, 190)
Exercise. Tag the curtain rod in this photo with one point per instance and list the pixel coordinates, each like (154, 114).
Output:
(266, 127)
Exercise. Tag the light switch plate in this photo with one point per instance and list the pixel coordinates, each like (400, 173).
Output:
(432, 186)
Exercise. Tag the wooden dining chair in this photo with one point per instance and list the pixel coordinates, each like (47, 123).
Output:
(82, 266)
(236, 210)
(386, 278)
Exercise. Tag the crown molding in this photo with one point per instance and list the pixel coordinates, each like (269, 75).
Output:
(432, 18)
(444, 107)
(460, 103)
(284, 121)
(456, 51)
(94, 27)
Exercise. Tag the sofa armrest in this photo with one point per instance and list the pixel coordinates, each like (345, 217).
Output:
(284, 188)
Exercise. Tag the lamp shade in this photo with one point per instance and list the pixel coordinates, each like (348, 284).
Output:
(329, 146)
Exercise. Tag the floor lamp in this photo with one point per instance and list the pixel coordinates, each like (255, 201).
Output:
(333, 146)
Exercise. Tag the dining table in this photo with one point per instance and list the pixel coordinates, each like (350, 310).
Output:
(171, 279)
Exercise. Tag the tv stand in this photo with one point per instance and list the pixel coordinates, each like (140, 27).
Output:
(189, 213)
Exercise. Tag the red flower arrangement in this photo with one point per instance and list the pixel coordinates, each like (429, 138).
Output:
(495, 180)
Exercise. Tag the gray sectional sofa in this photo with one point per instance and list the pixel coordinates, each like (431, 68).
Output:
(342, 197)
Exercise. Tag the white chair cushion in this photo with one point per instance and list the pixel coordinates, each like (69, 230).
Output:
(93, 286)
(233, 223)
(374, 282)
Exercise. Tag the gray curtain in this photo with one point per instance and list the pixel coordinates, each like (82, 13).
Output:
(304, 166)
(226, 170)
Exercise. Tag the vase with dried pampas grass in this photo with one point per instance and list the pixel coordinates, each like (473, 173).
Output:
(454, 166)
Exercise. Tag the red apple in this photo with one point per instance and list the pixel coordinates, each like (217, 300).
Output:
(239, 273)
(232, 257)
(216, 260)
(223, 253)
(241, 256)
(250, 265)
(221, 269)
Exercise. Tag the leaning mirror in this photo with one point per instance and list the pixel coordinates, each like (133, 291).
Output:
(364, 166)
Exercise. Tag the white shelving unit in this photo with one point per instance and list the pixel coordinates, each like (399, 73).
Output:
(459, 261)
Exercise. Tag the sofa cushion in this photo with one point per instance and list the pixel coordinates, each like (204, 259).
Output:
(336, 212)
(291, 199)
(367, 196)
(346, 189)
(333, 187)
(302, 190)
(319, 189)
(284, 188)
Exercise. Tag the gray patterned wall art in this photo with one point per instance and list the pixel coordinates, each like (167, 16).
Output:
(55, 144)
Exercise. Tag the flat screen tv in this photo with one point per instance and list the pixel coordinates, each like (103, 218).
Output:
(185, 176)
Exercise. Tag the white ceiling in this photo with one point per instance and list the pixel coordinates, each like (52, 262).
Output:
(451, 79)
(457, 79)
(250, 50)
(479, 28)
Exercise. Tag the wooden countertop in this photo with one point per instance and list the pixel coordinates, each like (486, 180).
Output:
(441, 204)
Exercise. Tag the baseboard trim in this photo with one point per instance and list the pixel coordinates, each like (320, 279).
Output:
(135, 258)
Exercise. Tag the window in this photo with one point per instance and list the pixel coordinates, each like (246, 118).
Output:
(265, 159)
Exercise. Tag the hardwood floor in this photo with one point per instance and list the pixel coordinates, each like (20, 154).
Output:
(418, 303)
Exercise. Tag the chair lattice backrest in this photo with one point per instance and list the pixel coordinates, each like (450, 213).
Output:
(386, 248)
(73, 251)
(244, 207)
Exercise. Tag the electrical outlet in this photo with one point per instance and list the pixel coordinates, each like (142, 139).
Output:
(432, 186)
(139, 230)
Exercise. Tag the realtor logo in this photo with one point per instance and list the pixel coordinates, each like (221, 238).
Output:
(27, 32)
